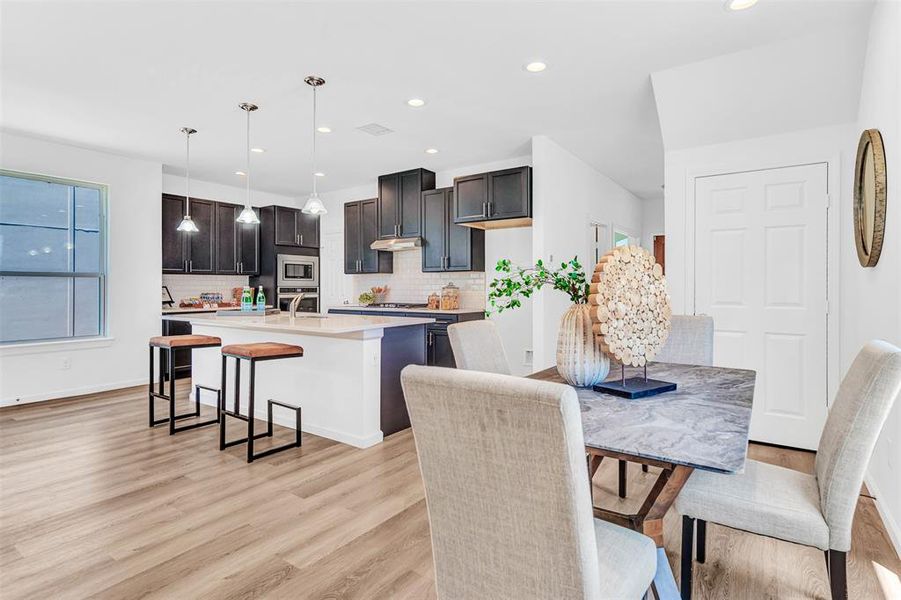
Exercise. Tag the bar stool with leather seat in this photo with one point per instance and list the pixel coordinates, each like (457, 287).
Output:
(170, 343)
(254, 353)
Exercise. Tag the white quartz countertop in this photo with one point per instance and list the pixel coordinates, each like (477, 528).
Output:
(309, 324)
(175, 310)
(421, 309)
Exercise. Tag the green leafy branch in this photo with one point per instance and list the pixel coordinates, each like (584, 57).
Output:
(508, 291)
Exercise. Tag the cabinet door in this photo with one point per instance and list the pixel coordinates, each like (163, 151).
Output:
(389, 198)
(410, 213)
(510, 193)
(459, 241)
(369, 258)
(307, 229)
(352, 227)
(173, 240)
(248, 246)
(226, 238)
(285, 227)
(434, 229)
(470, 198)
(440, 353)
(201, 244)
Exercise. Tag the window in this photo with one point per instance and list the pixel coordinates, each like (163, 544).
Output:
(52, 258)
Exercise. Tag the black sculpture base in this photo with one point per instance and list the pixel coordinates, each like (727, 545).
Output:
(634, 387)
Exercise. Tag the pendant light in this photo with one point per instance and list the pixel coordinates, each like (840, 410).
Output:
(187, 223)
(314, 205)
(247, 215)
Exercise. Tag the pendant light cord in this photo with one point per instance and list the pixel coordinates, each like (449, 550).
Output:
(187, 174)
(314, 142)
(247, 166)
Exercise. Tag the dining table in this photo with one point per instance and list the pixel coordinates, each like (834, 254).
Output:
(702, 424)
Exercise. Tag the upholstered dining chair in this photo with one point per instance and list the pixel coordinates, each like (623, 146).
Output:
(690, 342)
(813, 510)
(477, 346)
(503, 464)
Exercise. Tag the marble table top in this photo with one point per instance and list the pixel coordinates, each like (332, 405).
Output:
(703, 424)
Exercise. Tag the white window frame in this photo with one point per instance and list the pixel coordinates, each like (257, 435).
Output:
(102, 275)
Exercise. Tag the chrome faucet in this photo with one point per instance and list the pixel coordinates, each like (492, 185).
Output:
(292, 308)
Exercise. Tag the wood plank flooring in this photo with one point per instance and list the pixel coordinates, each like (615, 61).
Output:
(95, 504)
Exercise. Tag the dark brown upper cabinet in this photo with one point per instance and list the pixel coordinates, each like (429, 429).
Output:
(237, 244)
(220, 246)
(447, 246)
(399, 202)
(188, 252)
(294, 228)
(494, 200)
(360, 230)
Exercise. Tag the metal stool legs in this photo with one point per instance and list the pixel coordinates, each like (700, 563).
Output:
(167, 370)
(235, 412)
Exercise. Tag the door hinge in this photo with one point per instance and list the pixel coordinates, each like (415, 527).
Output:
(828, 201)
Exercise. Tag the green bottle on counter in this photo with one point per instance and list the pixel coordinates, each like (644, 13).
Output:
(261, 300)
(246, 299)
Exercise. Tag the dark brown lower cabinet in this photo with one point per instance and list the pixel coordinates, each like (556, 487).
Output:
(440, 353)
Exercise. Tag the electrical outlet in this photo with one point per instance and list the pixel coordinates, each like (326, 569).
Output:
(65, 363)
(527, 357)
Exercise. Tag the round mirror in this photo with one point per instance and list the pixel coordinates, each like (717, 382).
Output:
(869, 197)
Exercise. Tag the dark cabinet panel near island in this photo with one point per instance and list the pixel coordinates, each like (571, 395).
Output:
(360, 230)
(447, 246)
(237, 245)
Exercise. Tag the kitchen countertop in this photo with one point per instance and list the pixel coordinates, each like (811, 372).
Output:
(175, 310)
(421, 309)
(309, 323)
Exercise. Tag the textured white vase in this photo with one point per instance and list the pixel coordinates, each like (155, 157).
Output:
(580, 360)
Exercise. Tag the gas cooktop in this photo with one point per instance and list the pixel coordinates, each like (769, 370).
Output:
(397, 305)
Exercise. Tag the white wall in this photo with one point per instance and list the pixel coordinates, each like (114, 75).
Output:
(568, 195)
(37, 372)
(652, 221)
(206, 190)
(871, 298)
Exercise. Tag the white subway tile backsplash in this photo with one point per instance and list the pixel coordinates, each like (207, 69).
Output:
(409, 284)
(186, 286)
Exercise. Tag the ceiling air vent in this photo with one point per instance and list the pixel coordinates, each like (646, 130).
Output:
(375, 129)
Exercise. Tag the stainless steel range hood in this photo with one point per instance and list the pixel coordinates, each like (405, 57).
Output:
(397, 244)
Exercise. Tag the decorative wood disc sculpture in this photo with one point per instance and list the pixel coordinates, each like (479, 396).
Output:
(630, 308)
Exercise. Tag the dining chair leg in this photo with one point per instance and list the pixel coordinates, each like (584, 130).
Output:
(838, 576)
(701, 554)
(644, 468)
(688, 525)
(622, 478)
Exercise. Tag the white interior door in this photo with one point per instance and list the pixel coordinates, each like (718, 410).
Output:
(760, 271)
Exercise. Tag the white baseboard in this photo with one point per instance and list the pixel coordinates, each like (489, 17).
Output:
(888, 519)
(68, 392)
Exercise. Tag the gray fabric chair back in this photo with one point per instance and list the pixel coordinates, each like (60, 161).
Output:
(477, 346)
(864, 399)
(503, 463)
(690, 341)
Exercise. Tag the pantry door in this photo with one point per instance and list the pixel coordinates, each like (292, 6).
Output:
(760, 271)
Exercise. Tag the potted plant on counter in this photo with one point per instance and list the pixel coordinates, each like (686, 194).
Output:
(580, 360)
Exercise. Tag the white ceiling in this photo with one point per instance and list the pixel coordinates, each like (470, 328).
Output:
(126, 76)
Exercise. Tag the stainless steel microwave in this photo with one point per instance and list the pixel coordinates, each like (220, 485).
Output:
(297, 271)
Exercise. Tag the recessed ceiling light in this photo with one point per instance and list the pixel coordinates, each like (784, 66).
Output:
(740, 4)
(257, 150)
(319, 174)
(324, 129)
(416, 102)
(240, 173)
(431, 150)
(536, 67)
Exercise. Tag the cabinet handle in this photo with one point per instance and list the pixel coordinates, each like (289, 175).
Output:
(485, 209)
(296, 239)
(301, 239)
(190, 265)
(431, 339)
(489, 209)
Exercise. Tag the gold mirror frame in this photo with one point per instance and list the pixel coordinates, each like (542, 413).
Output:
(868, 250)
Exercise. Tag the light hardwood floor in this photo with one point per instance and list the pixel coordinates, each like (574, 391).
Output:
(95, 504)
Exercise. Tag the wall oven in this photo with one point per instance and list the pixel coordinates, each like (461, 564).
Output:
(297, 271)
(309, 303)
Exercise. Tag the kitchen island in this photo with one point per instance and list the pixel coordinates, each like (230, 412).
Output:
(347, 382)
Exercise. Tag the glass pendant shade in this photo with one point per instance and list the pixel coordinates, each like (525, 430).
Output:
(314, 205)
(187, 224)
(248, 216)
